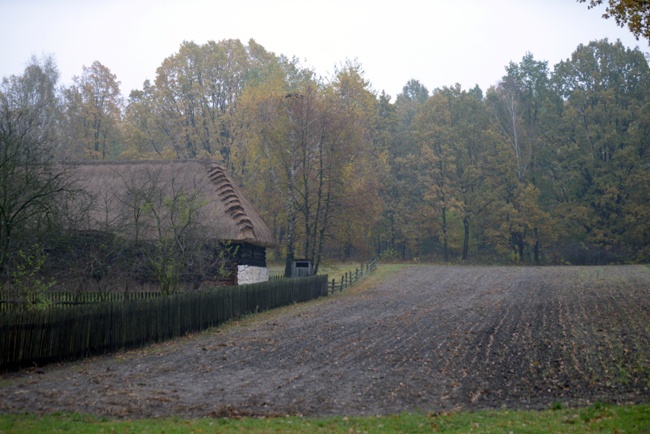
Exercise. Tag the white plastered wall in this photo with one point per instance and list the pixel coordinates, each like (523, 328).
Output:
(247, 274)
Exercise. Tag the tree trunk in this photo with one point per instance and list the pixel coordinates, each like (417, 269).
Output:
(536, 248)
(291, 243)
(465, 238)
(445, 246)
(517, 243)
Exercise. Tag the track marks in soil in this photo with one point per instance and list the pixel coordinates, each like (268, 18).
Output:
(429, 338)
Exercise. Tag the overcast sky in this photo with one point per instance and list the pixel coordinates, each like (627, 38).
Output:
(438, 42)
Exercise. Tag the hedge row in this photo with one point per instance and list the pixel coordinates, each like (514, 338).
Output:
(29, 338)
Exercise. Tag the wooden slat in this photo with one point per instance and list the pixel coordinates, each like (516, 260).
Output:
(54, 334)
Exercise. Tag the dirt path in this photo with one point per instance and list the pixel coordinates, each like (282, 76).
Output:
(429, 338)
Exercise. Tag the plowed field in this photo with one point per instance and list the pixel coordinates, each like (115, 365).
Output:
(429, 338)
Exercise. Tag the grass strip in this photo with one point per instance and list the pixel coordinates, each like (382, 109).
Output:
(597, 418)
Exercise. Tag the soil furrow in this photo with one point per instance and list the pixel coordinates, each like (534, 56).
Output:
(430, 338)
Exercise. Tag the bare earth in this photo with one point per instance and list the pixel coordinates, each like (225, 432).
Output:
(429, 338)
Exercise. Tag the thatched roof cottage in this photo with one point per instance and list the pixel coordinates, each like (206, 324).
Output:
(177, 195)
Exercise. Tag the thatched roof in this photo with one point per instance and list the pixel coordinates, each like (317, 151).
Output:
(146, 198)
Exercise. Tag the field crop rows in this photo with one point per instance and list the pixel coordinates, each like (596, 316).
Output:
(430, 338)
(576, 335)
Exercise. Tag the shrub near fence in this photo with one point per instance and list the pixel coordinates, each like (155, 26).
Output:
(29, 338)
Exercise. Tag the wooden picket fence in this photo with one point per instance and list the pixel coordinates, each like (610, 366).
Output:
(35, 338)
(68, 298)
(351, 277)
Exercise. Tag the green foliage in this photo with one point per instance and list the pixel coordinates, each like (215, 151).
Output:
(26, 282)
(598, 418)
(603, 150)
(166, 268)
(388, 255)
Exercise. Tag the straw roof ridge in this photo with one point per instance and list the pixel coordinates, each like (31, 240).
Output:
(230, 198)
(228, 215)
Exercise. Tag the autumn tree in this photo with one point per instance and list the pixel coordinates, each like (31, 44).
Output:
(143, 127)
(471, 140)
(523, 107)
(512, 220)
(93, 108)
(407, 106)
(521, 103)
(310, 141)
(266, 157)
(189, 111)
(602, 156)
(354, 164)
(400, 189)
(435, 164)
(633, 13)
(386, 234)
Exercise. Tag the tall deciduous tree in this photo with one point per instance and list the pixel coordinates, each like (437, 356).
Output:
(400, 191)
(196, 93)
(522, 105)
(407, 105)
(436, 164)
(311, 141)
(387, 234)
(31, 185)
(453, 131)
(268, 155)
(94, 112)
(354, 163)
(471, 137)
(144, 129)
(604, 159)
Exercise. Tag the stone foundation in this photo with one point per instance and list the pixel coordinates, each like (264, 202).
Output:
(247, 274)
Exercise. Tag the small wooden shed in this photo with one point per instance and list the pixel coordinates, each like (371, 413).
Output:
(301, 268)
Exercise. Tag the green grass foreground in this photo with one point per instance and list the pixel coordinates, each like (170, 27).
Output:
(597, 418)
